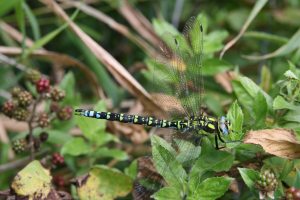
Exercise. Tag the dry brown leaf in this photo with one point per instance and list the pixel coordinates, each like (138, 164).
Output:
(116, 69)
(279, 142)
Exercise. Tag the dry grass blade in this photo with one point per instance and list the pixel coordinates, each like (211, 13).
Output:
(57, 58)
(257, 7)
(114, 25)
(116, 69)
(279, 142)
(139, 23)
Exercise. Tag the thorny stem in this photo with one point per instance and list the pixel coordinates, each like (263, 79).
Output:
(31, 127)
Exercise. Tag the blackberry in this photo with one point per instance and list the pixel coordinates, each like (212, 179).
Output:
(57, 94)
(42, 85)
(8, 108)
(44, 136)
(54, 107)
(20, 114)
(33, 75)
(57, 159)
(59, 181)
(65, 113)
(19, 145)
(43, 120)
(24, 98)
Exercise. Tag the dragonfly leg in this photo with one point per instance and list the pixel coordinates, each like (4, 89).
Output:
(217, 136)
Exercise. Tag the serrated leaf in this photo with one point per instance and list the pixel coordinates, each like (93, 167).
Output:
(209, 160)
(76, 147)
(167, 193)
(104, 183)
(236, 117)
(249, 176)
(281, 103)
(211, 188)
(167, 165)
(34, 181)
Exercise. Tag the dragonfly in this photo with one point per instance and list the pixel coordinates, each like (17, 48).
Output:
(182, 67)
(193, 120)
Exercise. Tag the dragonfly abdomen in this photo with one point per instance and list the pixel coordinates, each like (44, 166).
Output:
(125, 118)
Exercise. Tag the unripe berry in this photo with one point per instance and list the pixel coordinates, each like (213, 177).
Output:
(19, 145)
(43, 120)
(65, 113)
(42, 85)
(15, 92)
(24, 98)
(57, 94)
(20, 114)
(33, 75)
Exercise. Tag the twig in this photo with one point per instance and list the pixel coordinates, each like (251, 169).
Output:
(6, 60)
(19, 163)
(31, 127)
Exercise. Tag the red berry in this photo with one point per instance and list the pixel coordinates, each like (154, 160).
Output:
(8, 108)
(43, 85)
(57, 159)
(65, 113)
(59, 181)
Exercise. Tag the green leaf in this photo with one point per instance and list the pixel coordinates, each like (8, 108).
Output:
(111, 153)
(260, 108)
(249, 176)
(236, 117)
(167, 193)
(33, 22)
(297, 181)
(34, 181)
(266, 37)
(188, 151)
(211, 188)
(104, 183)
(281, 103)
(158, 141)
(132, 170)
(253, 89)
(291, 45)
(93, 129)
(214, 41)
(7, 6)
(76, 147)
(58, 137)
(214, 66)
(68, 85)
(47, 38)
(161, 27)
(209, 160)
(167, 165)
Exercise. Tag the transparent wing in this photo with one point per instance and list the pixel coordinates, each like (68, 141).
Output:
(179, 71)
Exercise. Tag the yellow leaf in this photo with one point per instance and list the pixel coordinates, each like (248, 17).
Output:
(33, 181)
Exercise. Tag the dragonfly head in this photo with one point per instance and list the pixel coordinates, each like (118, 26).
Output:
(223, 126)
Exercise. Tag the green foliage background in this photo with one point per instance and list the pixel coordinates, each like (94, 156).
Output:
(265, 92)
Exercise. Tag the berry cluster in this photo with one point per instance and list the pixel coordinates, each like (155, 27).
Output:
(267, 183)
(21, 107)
